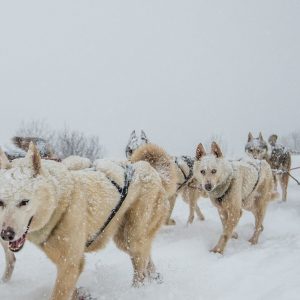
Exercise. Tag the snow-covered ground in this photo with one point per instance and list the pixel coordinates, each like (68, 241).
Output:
(270, 270)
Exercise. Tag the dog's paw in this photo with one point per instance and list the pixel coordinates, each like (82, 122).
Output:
(156, 277)
(83, 294)
(216, 249)
(190, 222)
(253, 241)
(235, 236)
(202, 218)
(138, 283)
(170, 222)
(4, 279)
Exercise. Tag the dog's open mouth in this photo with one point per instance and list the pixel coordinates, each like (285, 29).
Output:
(17, 245)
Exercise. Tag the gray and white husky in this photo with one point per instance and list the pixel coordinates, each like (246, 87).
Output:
(187, 185)
(278, 157)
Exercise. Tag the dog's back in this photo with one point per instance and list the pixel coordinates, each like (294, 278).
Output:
(280, 156)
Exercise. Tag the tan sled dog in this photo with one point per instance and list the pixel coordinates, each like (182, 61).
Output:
(67, 213)
(187, 185)
(233, 186)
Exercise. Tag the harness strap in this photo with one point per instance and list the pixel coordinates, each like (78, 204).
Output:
(220, 199)
(123, 191)
(258, 175)
(190, 164)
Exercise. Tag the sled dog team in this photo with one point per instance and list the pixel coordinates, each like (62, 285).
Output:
(71, 207)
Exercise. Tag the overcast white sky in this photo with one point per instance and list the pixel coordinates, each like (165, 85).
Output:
(181, 70)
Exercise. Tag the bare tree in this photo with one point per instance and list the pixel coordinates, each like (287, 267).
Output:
(292, 141)
(71, 142)
(64, 142)
(36, 128)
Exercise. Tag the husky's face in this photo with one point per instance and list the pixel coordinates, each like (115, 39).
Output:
(22, 189)
(256, 148)
(135, 142)
(210, 170)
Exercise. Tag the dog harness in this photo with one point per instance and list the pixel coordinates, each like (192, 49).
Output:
(258, 169)
(123, 191)
(190, 163)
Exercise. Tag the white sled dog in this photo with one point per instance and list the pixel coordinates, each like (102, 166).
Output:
(187, 186)
(233, 186)
(67, 213)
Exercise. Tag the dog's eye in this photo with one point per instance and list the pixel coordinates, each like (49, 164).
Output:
(213, 171)
(1, 204)
(250, 150)
(23, 203)
(202, 172)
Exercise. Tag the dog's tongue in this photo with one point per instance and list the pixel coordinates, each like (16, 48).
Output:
(18, 244)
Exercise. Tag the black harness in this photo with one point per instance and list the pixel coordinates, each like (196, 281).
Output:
(190, 163)
(220, 199)
(128, 173)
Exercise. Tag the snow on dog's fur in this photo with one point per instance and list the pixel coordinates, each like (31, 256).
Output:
(76, 163)
(189, 189)
(233, 186)
(60, 210)
(278, 156)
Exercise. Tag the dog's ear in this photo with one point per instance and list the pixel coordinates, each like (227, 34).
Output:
(260, 137)
(216, 150)
(144, 137)
(273, 139)
(4, 162)
(34, 159)
(250, 137)
(132, 136)
(200, 152)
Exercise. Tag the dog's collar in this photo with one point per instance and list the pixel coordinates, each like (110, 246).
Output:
(222, 190)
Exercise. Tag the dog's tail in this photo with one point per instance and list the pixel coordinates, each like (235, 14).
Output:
(161, 162)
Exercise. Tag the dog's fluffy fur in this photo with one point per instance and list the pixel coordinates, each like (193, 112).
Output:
(275, 154)
(75, 163)
(68, 207)
(189, 190)
(233, 186)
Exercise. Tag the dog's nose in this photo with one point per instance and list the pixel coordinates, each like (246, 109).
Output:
(208, 186)
(8, 234)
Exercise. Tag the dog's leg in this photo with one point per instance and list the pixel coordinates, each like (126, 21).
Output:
(169, 220)
(230, 219)
(275, 181)
(139, 261)
(223, 217)
(66, 249)
(192, 206)
(127, 239)
(151, 272)
(10, 263)
(68, 272)
(199, 213)
(284, 179)
(259, 215)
